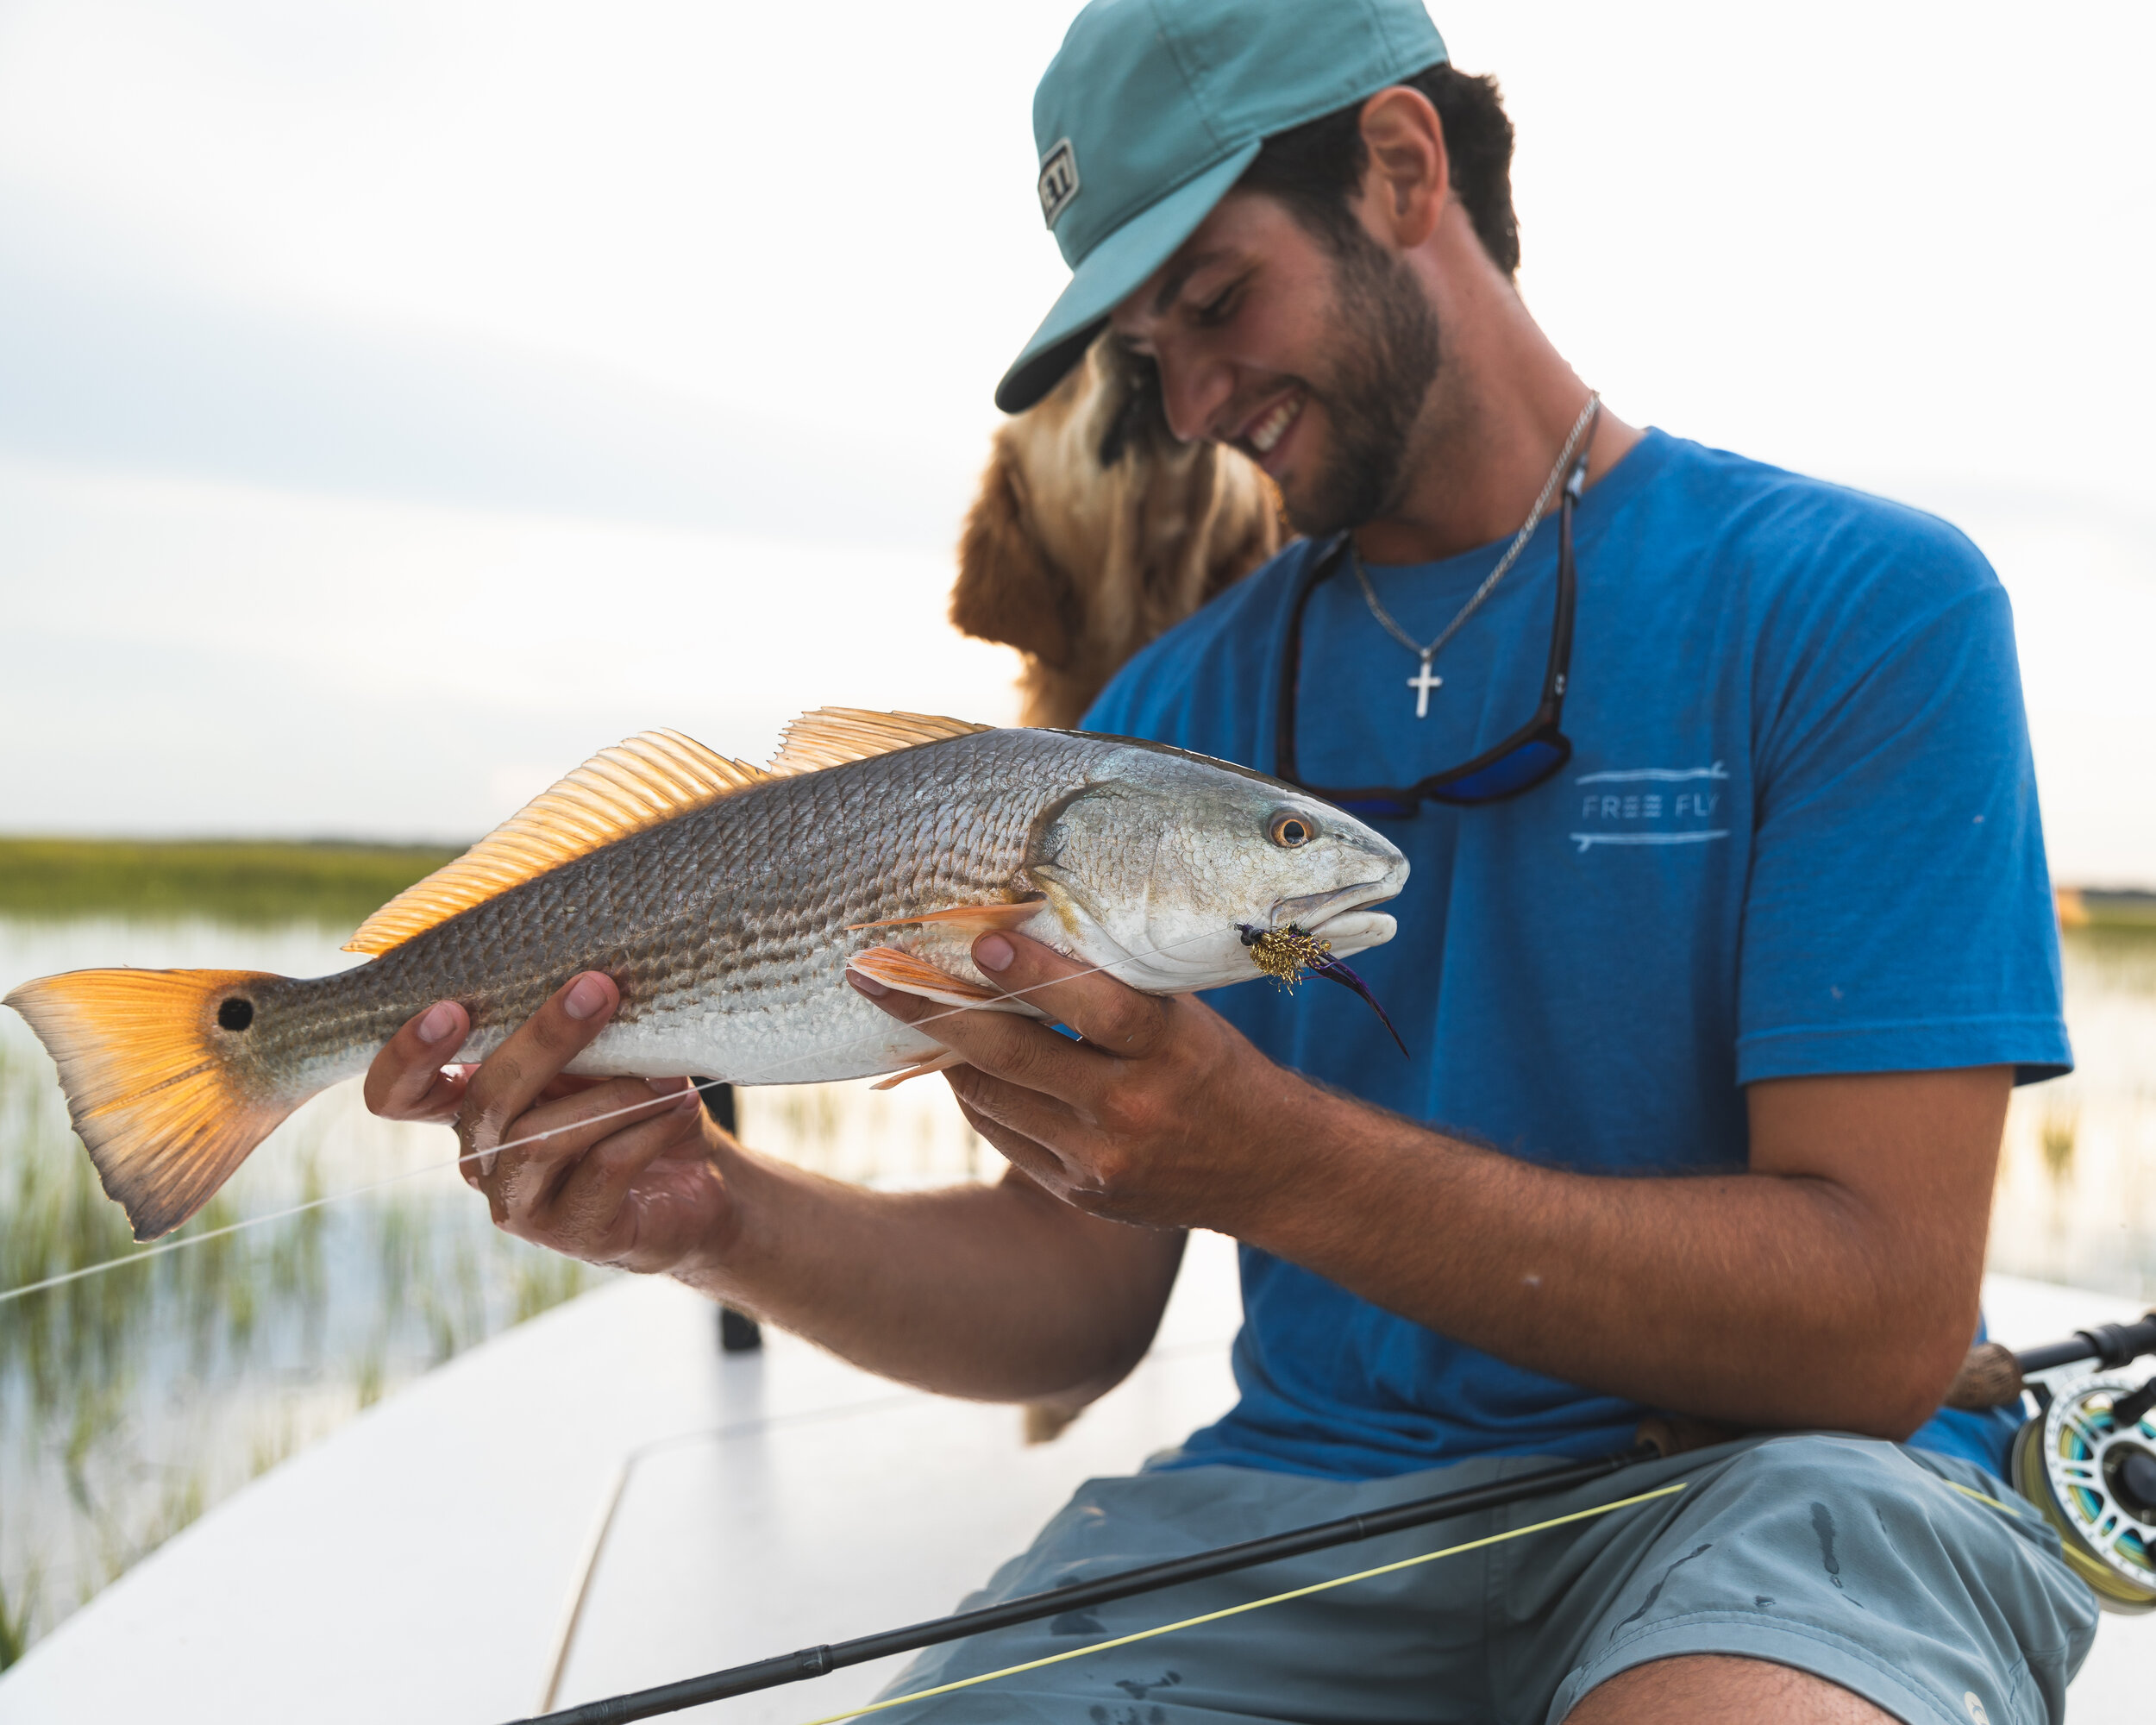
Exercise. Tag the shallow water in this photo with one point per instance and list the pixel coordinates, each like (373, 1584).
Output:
(133, 1401)
(2077, 1192)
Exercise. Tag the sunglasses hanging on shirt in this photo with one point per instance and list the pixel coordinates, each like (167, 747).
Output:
(1530, 755)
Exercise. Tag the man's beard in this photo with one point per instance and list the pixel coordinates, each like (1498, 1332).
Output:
(1381, 370)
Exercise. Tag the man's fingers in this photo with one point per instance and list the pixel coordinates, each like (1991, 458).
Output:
(1024, 1050)
(442, 1098)
(406, 1082)
(1112, 1016)
(1034, 1160)
(540, 1146)
(587, 1202)
(511, 1078)
(1018, 1107)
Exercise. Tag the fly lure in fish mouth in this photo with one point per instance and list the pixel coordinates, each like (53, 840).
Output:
(1284, 954)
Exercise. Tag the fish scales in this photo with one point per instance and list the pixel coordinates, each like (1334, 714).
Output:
(741, 906)
(728, 917)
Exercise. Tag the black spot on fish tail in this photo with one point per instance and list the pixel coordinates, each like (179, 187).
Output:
(235, 1013)
(1655, 1592)
(1823, 1528)
(1077, 1623)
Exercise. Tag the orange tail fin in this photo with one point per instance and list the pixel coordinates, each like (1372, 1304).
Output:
(161, 1087)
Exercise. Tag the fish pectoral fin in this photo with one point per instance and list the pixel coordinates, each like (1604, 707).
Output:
(950, 1056)
(967, 918)
(912, 975)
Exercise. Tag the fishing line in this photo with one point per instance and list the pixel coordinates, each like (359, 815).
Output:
(1248, 1605)
(821, 1661)
(163, 1246)
(659, 1101)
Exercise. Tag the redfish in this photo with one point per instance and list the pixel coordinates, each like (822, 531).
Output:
(727, 901)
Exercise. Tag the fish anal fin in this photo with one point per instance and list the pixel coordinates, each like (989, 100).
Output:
(831, 735)
(967, 918)
(157, 1090)
(635, 784)
(949, 1057)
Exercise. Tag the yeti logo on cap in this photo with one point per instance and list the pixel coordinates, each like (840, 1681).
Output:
(1059, 181)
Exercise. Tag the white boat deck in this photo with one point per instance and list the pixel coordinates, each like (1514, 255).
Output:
(417, 1565)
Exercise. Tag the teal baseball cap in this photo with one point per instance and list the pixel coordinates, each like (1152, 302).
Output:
(1149, 113)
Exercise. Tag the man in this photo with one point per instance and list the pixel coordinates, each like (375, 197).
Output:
(1713, 1024)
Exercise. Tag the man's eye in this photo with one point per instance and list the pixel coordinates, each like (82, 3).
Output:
(1218, 308)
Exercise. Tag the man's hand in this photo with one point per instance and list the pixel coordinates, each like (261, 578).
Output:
(1164, 1115)
(615, 1171)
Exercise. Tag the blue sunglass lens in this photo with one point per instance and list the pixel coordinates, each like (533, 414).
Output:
(1532, 761)
(1382, 808)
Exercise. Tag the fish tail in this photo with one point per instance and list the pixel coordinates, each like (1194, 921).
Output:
(162, 1083)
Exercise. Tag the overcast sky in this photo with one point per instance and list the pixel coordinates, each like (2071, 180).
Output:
(399, 400)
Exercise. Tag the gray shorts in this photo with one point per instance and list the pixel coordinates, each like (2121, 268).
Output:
(1855, 1560)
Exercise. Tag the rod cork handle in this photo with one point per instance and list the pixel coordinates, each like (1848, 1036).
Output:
(1989, 1377)
(1675, 1434)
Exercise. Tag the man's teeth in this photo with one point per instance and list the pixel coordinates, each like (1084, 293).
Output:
(1268, 430)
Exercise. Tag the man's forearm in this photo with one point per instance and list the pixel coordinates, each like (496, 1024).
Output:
(1834, 1284)
(1765, 1299)
(995, 1293)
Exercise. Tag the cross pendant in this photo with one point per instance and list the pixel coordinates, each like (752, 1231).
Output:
(1422, 682)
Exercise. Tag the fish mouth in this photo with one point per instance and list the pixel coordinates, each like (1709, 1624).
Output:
(1314, 911)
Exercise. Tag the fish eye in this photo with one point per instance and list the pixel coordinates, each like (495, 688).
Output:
(1289, 830)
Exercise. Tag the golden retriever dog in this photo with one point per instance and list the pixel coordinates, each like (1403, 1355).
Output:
(1095, 529)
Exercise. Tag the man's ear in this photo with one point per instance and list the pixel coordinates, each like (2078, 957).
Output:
(1409, 178)
(1008, 590)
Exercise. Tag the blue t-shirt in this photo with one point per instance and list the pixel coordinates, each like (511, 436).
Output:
(1798, 834)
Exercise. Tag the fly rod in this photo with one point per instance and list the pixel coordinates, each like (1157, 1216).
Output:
(1994, 1377)
(1991, 1376)
(796, 1667)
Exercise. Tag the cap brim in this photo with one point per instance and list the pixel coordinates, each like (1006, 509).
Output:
(1110, 273)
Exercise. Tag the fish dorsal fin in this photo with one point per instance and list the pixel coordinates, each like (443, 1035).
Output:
(636, 784)
(831, 735)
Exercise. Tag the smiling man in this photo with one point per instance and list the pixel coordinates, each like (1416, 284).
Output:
(1726, 937)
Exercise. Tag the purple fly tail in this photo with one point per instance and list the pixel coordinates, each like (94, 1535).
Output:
(1335, 970)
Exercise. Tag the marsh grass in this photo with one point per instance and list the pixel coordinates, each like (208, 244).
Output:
(2061, 1125)
(133, 1401)
(247, 884)
(15, 1606)
(2076, 1201)
(2128, 913)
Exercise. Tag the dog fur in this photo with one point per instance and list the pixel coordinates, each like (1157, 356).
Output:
(1095, 529)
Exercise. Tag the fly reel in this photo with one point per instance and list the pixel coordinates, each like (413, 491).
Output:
(2088, 1463)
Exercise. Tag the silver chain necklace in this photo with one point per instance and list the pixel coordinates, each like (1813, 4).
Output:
(1423, 681)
